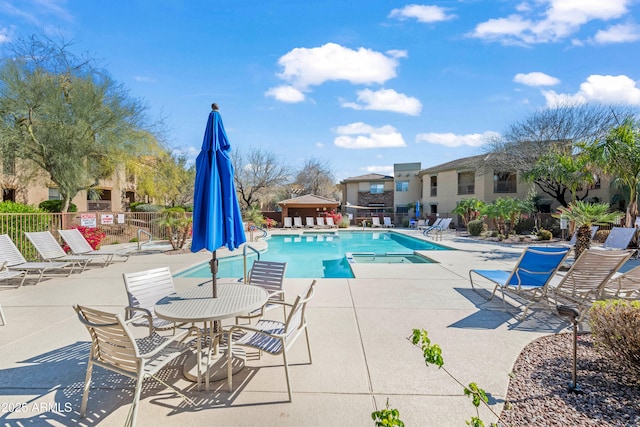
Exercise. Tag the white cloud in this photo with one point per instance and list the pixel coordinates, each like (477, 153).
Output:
(385, 100)
(360, 135)
(536, 79)
(4, 35)
(287, 94)
(145, 79)
(319, 145)
(604, 89)
(382, 170)
(547, 21)
(305, 67)
(621, 33)
(421, 13)
(453, 140)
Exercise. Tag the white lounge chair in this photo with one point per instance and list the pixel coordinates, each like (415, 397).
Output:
(438, 226)
(287, 222)
(619, 238)
(114, 347)
(297, 222)
(624, 285)
(375, 221)
(330, 222)
(272, 336)
(144, 289)
(15, 261)
(387, 222)
(79, 246)
(6, 274)
(310, 223)
(320, 222)
(50, 250)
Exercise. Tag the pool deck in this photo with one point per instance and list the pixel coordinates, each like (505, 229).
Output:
(358, 331)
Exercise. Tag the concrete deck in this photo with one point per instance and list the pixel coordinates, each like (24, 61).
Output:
(358, 331)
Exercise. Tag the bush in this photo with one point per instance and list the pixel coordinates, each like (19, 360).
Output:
(94, 236)
(344, 223)
(143, 207)
(56, 206)
(475, 227)
(545, 235)
(615, 324)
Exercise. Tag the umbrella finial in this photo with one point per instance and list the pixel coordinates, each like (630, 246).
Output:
(214, 106)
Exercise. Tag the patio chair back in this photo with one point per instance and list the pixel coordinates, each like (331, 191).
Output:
(537, 265)
(76, 241)
(296, 321)
(268, 274)
(619, 238)
(297, 222)
(45, 244)
(320, 221)
(287, 222)
(594, 230)
(144, 289)
(310, 223)
(387, 222)
(9, 252)
(375, 221)
(330, 222)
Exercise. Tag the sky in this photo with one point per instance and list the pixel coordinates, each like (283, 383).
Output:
(358, 85)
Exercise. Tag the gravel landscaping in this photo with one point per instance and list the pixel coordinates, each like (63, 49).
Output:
(538, 391)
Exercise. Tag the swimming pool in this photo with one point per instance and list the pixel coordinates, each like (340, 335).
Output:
(317, 254)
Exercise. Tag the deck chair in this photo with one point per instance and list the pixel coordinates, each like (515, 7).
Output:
(287, 222)
(624, 285)
(270, 276)
(114, 347)
(15, 261)
(79, 246)
(297, 222)
(144, 289)
(330, 222)
(531, 274)
(50, 250)
(619, 238)
(440, 227)
(387, 222)
(375, 221)
(320, 222)
(6, 274)
(310, 223)
(272, 336)
(587, 277)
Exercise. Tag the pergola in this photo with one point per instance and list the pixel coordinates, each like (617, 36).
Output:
(307, 205)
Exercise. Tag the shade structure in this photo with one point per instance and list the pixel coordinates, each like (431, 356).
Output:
(217, 220)
(418, 209)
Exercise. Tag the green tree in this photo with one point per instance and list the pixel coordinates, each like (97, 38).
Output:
(65, 115)
(469, 209)
(505, 212)
(618, 154)
(584, 215)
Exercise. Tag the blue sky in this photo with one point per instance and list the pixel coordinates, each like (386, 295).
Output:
(360, 85)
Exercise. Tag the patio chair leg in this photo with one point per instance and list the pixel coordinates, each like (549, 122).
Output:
(306, 332)
(4, 320)
(229, 363)
(133, 411)
(286, 372)
(87, 385)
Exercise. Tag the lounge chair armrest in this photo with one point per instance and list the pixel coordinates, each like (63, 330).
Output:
(130, 318)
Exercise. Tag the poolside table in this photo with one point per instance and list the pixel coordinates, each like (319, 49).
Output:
(196, 305)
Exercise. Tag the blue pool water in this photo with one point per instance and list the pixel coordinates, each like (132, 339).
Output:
(318, 254)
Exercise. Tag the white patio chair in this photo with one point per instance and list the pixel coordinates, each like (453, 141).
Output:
(6, 274)
(330, 222)
(144, 290)
(387, 222)
(114, 347)
(624, 285)
(287, 222)
(320, 222)
(50, 250)
(271, 336)
(297, 222)
(310, 223)
(15, 261)
(79, 246)
(375, 221)
(270, 276)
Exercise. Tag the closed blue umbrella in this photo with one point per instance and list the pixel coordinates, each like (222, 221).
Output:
(418, 209)
(217, 220)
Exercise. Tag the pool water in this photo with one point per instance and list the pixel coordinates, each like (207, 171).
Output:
(318, 254)
(389, 259)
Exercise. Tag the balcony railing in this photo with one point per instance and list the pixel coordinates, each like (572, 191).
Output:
(466, 189)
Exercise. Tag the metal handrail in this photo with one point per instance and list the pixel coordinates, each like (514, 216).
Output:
(244, 256)
(140, 233)
(255, 227)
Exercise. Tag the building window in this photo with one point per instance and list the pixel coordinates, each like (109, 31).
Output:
(434, 186)
(402, 209)
(505, 182)
(466, 183)
(54, 194)
(8, 195)
(402, 185)
(377, 188)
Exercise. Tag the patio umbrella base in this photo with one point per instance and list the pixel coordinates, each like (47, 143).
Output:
(217, 366)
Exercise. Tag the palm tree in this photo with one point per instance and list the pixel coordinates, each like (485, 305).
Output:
(468, 209)
(584, 215)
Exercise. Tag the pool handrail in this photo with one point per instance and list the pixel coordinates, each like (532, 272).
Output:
(244, 256)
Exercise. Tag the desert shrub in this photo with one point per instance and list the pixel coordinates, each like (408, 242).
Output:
(147, 208)
(615, 325)
(544, 234)
(601, 236)
(475, 227)
(344, 223)
(56, 206)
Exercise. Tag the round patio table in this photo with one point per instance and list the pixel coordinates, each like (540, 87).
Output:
(197, 305)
